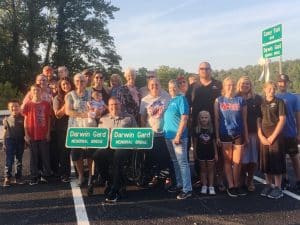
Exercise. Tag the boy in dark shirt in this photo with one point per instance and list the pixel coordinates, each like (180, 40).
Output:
(13, 142)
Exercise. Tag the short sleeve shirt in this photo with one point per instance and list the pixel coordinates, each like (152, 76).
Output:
(154, 108)
(292, 107)
(124, 120)
(270, 112)
(177, 107)
(253, 112)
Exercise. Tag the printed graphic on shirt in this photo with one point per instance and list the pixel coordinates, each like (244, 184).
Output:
(230, 106)
(204, 138)
(40, 115)
(155, 112)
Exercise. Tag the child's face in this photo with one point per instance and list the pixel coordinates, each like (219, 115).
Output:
(204, 119)
(14, 108)
(270, 91)
(96, 96)
(35, 92)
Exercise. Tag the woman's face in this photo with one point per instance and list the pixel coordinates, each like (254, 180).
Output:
(154, 87)
(79, 82)
(130, 77)
(65, 86)
(245, 86)
(229, 87)
(173, 90)
(270, 91)
(98, 79)
(114, 82)
(42, 81)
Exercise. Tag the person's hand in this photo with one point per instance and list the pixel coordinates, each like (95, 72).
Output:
(177, 140)
(264, 141)
(216, 157)
(218, 142)
(271, 139)
(27, 139)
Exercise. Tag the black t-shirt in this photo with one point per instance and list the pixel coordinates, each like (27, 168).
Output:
(202, 97)
(270, 112)
(253, 112)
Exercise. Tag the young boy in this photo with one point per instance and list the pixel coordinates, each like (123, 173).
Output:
(37, 134)
(13, 142)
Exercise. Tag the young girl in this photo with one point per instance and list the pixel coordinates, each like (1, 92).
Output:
(231, 133)
(206, 151)
(272, 156)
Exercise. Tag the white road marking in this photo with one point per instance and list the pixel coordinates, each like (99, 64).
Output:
(289, 193)
(81, 215)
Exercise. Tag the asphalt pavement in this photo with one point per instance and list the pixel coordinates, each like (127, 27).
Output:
(53, 203)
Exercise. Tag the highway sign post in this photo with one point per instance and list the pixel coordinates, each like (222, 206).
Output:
(131, 138)
(79, 137)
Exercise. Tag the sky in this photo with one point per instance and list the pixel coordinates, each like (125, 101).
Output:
(183, 33)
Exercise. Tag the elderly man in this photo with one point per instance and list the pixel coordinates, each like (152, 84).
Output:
(62, 72)
(105, 157)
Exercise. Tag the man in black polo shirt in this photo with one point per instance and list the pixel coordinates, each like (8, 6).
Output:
(201, 96)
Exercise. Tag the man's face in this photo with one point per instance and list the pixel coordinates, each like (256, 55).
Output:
(204, 70)
(282, 86)
(114, 107)
(35, 92)
(62, 72)
(48, 72)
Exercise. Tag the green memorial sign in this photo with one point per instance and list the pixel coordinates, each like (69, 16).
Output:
(272, 50)
(89, 137)
(131, 138)
(272, 34)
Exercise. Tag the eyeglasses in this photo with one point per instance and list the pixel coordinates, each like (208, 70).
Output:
(205, 68)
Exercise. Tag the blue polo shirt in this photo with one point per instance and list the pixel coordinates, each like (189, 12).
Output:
(293, 106)
(177, 107)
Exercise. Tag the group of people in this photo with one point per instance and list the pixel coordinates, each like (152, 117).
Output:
(231, 130)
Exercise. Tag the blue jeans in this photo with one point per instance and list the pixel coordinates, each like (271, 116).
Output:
(14, 149)
(178, 154)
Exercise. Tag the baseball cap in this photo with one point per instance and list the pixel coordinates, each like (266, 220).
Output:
(283, 78)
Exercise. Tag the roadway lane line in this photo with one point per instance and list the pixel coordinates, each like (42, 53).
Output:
(81, 215)
(289, 193)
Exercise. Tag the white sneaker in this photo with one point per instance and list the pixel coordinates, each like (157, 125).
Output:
(211, 190)
(204, 190)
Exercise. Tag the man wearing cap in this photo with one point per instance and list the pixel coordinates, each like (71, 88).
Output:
(291, 130)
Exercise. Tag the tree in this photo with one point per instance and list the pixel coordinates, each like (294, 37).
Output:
(166, 73)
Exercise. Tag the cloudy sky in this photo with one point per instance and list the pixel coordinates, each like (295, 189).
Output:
(182, 33)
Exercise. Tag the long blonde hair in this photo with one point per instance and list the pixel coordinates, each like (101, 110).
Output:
(209, 125)
(242, 79)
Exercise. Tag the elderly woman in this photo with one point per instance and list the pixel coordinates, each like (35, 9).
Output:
(59, 107)
(115, 84)
(176, 135)
(152, 111)
(76, 109)
(128, 94)
(250, 157)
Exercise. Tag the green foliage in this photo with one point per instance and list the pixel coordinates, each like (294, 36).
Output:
(166, 73)
(8, 92)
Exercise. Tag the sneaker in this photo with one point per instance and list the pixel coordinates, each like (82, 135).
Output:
(232, 192)
(6, 182)
(285, 184)
(276, 193)
(34, 181)
(153, 182)
(174, 189)
(44, 180)
(267, 189)
(204, 190)
(211, 190)
(65, 179)
(241, 191)
(184, 195)
(20, 180)
(112, 197)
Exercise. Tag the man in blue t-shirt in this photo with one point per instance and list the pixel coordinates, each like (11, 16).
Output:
(291, 130)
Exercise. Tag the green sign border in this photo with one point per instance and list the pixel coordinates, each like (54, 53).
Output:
(133, 128)
(88, 128)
